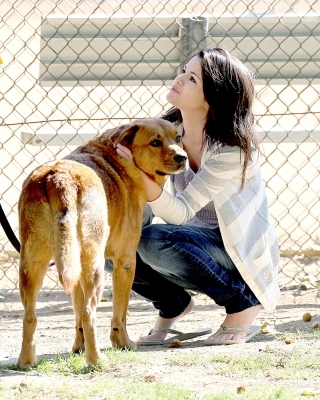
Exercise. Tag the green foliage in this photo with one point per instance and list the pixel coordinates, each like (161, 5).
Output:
(280, 363)
(123, 375)
(259, 393)
(136, 390)
(75, 364)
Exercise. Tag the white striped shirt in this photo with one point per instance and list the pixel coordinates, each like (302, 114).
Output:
(246, 229)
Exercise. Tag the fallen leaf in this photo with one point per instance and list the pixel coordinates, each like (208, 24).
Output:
(150, 378)
(307, 393)
(264, 329)
(241, 389)
(104, 299)
(175, 343)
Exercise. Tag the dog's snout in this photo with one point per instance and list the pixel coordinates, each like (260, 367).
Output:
(180, 158)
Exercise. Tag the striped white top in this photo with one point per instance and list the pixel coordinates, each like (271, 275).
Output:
(246, 229)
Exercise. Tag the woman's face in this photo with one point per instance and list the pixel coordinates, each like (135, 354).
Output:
(186, 93)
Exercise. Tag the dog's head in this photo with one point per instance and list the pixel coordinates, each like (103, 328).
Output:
(155, 146)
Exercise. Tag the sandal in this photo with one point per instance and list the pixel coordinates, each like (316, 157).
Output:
(250, 333)
(177, 336)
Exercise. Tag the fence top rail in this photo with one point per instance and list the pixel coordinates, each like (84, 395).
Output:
(274, 22)
(56, 138)
(170, 16)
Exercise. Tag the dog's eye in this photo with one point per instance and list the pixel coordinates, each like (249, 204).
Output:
(178, 139)
(156, 143)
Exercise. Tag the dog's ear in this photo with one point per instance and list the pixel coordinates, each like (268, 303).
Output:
(124, 134)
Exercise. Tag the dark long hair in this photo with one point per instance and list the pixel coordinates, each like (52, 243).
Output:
(229, 91)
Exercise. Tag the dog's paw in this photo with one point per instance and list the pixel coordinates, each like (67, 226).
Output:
(26, 362)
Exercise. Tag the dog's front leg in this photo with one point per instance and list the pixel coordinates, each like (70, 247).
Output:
(122, 276)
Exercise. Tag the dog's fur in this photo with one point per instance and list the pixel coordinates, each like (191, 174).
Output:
(83, 209)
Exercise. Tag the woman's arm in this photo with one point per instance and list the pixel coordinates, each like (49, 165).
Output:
(214, 175)
(221, 168)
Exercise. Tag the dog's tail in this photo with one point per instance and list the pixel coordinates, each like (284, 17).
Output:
(67, 249)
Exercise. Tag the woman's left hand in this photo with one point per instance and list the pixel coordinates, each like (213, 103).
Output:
(124, 152)
(152, 188)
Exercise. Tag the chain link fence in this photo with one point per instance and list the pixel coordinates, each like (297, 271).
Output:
(71, 69)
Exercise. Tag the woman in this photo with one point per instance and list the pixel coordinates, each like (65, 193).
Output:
(217, 238)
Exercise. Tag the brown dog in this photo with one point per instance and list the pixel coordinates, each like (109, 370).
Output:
(83, 209)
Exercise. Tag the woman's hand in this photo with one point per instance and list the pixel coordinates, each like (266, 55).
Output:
(153, 189)
(124, 152)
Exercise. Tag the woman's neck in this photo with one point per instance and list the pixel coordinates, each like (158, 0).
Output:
(193, 138)
(193, 126)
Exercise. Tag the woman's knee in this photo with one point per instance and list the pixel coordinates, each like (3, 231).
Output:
(153, 233)
(153, 237)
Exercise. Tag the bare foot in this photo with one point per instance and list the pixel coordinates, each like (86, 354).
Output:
(166, 323)
(242, 319)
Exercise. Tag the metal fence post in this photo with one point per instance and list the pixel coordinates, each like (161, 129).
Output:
(193, 37)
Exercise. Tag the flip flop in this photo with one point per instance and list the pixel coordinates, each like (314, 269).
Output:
(177, 336)
(250, 333)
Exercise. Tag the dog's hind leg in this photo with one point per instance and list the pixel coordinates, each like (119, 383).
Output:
(78, 307)
(68, 264)
(93, 230)
(82, 274)
(92, 285)
(32, 270)
(77, 301)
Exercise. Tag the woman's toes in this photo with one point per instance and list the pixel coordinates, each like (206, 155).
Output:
(235, 336)
(229, 336)
(153, 337)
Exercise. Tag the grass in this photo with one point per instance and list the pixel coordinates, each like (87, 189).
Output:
(280, 363)
(135, 390)
(262, 393)
(75, 364)
(312, 334)
(125, 375)
(98, 389)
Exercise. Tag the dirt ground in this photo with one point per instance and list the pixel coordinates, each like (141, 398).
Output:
(56, 332)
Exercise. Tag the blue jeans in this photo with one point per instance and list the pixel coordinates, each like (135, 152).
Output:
(173, 258)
